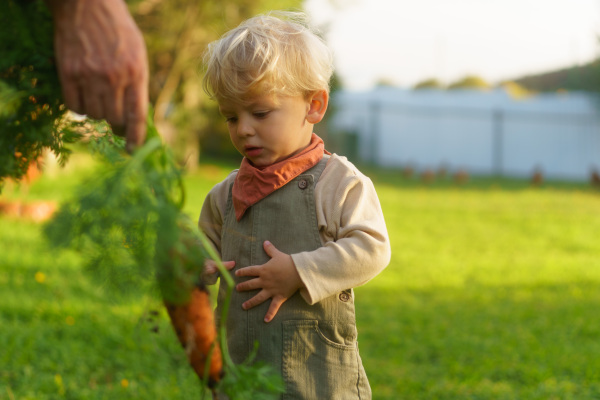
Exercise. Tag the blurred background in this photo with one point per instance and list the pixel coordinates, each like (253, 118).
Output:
(492, 88)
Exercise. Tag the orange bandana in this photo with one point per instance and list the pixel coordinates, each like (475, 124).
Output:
(252, 184)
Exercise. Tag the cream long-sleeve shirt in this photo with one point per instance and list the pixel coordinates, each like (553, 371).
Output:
(352, 229)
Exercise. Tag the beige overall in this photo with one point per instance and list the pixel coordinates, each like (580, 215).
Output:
(314, 346)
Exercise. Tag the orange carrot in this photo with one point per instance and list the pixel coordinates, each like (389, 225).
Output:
(195, 327)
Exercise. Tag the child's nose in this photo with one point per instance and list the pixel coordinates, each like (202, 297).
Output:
(244, 127)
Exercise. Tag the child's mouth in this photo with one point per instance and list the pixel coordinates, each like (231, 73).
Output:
(253, 151)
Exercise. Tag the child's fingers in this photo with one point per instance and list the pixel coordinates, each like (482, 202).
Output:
(248, 271)
(210, 266)
(260, 298)
(251, 284)
(229, 265)
(274, 308)
(270, 249)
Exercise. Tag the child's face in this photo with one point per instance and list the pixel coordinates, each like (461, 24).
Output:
(270, 128)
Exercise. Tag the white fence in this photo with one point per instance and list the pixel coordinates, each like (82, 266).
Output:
(482, 132)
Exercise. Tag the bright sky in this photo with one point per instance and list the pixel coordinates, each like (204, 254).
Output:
(407, 41)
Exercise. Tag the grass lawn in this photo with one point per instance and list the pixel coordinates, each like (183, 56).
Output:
(493, 292)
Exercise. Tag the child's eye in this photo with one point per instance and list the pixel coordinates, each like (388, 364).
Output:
(230, 120)
(261, 114)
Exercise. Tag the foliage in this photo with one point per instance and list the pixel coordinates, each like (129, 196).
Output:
(126, 221)
(499, 282)
(492, 293)
(429, 84)
(216, 141)
(129, 226)
(31, 108)
(177, 32)
(516, 91)
(470, 82)
(385, 82)
(584, 77)
(252, 381)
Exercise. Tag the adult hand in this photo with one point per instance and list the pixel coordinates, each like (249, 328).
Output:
(102, 64)
(277, 279)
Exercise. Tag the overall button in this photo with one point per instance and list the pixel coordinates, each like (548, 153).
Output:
(302, 184)
(344, 297)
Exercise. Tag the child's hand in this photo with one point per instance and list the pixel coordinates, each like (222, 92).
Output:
(210, 267)
(278, 279)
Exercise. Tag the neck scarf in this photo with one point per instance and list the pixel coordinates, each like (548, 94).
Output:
(253, 184)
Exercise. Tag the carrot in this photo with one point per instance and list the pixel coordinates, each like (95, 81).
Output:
(194, 325)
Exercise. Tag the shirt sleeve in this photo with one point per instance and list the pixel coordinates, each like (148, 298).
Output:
(351, 225)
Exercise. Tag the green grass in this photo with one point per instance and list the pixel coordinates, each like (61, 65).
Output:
(493, 292)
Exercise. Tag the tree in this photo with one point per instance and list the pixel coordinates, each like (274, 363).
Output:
(584, 77)
(177, 32)
(470, 82)
(385, 82)
(431, 83)
(515, 90)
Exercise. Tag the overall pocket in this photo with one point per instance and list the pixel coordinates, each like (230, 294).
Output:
(316, 367)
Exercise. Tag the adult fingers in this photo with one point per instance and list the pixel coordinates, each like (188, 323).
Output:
(274, 308)
(136, 113)
(93, 105)
(93, 96)
(114, 108)
(69, 76)
(71, 96)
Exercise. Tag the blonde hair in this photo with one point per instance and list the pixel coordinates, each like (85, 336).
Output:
(274, 54)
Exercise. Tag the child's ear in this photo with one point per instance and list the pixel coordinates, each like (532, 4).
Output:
(317, 106)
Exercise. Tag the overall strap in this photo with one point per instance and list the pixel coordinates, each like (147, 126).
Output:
(318, 169)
